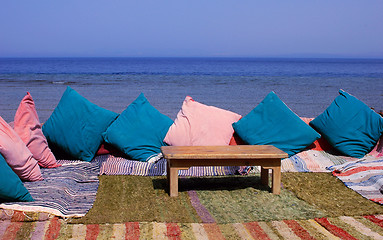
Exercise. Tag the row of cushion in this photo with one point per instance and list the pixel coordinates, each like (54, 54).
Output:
(23, 149)
(348, 125)
(79, 127)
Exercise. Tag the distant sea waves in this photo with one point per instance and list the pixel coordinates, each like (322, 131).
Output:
(32, 82)
(307, 86)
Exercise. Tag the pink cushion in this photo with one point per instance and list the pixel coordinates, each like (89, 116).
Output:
(201, 125)
(27, 125)
(17, 155)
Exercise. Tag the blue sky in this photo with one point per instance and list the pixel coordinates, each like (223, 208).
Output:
(222, 28)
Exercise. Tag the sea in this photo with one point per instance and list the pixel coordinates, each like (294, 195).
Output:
(306, 85)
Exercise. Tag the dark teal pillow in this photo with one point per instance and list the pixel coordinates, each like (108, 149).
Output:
(139, 130)
(11, 187)
(349, 125)
(76, 126)
(273, 123)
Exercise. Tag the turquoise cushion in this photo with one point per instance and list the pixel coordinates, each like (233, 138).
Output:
(11, 187)
(139, 130)
(76, 125)
(349, 125)
(273, 123)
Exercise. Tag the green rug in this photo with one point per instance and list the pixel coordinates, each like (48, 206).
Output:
(329, 194)
(222, 200)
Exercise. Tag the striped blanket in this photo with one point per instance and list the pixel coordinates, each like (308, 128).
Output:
(320, 161)
(66, 191)
(111, 165)
(364, 176)
(316, 161)
(364, 227)
(306, 161)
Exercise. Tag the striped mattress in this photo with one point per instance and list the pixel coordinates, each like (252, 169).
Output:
(66, 191)
(111, 165)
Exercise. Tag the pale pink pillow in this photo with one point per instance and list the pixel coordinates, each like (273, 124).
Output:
(201, 125)
(27, 125)
(17, 155)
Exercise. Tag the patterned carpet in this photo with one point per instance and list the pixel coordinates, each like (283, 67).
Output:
(366, 227)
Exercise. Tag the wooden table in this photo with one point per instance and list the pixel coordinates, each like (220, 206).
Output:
(184, 157)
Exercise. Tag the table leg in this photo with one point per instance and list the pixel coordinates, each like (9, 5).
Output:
(173, 181)
(265, 176)
(168, 173)
(276, 180)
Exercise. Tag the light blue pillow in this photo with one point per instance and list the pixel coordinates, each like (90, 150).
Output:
(349, 125)
(76, 126)
(139, 130)
(11, 187)
(273, 123)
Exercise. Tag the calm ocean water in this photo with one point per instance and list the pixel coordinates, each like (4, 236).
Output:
(307, 86)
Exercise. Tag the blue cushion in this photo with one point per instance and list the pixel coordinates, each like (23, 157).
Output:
(139, 130)
(349, 125)
(11, 187)
(273, 123)
(76, 126)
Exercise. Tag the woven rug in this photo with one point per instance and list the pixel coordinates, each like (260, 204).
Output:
(66, 191)
(366, 227)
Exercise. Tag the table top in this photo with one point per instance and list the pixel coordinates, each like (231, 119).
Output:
(222, 152)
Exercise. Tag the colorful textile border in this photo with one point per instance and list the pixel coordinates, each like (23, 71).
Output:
(368, 227)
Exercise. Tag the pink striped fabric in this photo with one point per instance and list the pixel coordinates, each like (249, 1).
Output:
(370, 227)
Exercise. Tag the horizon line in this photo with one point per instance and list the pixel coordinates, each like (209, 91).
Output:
(222, 57)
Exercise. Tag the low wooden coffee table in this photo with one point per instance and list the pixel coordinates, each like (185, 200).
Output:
(184, 157)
